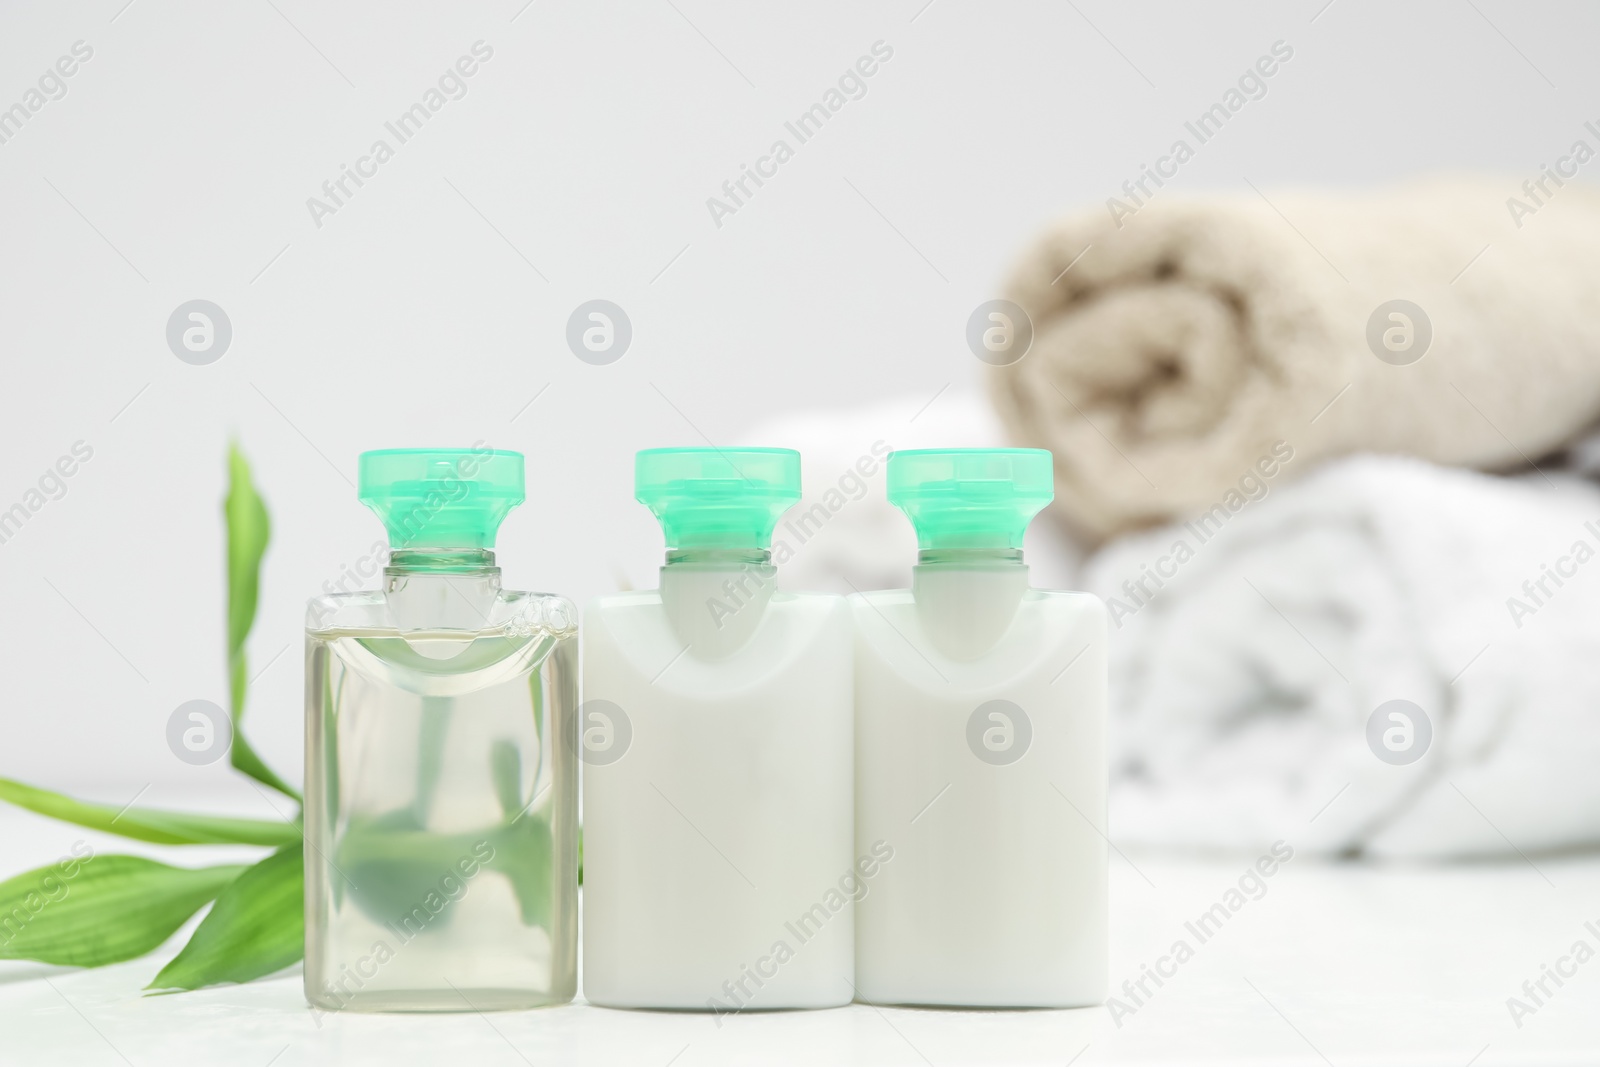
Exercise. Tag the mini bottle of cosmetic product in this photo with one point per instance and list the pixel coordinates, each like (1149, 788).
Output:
(716, 730)
(980, 752)
(441, 816)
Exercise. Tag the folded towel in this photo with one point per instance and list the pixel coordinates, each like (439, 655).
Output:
(1170, 353)
(1250, 649)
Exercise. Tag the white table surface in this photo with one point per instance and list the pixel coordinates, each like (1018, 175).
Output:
(1336, 964)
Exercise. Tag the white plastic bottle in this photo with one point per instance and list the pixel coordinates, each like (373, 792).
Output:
(716, 733)
(980, 753)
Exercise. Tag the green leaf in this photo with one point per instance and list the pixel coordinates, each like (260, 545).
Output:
(525, 853)
(431, 733)
(389, 865)
(256, 928)
(104, 909)
(248, 534)
(141, 824)
(505, 771)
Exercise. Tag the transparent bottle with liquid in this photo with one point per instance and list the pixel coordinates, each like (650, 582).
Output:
(716, 733)
(441, 821)
(980, 753)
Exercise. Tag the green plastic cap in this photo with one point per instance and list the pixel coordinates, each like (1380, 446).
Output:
(717, 497)
(970, 497)
(441, 497)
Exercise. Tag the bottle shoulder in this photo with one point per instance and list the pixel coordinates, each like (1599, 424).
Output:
(637, 600)
(511, 609)
(1064, 600)
(976, 639)
(627, 600)
(636, 637)
(337, 611)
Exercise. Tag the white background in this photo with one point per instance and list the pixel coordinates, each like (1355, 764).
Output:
(179, 163)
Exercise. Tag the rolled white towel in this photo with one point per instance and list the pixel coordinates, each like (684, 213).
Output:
(1243, 682)
(1171, 348)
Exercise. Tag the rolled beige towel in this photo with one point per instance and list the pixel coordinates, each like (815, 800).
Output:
(1172, 353)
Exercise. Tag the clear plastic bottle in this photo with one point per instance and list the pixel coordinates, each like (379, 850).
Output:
(717, 733)
(980, 753)
(441, 780)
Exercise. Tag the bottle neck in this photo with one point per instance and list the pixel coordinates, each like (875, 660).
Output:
(716, 597)
(732, 556)
(453, 561)
(968, 605)
(441, 588)
(969, 556)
